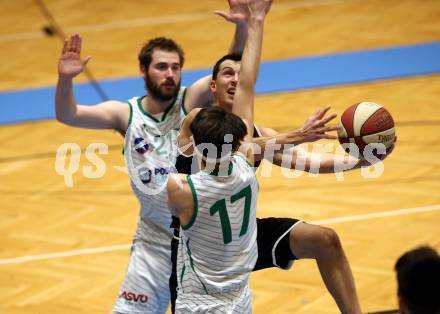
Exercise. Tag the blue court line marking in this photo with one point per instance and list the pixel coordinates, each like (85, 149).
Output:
(275, 76)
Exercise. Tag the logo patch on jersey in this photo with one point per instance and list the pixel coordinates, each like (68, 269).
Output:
(162, 171)
(133, 297)
(140, 145)
(161, 174)
(145, 175)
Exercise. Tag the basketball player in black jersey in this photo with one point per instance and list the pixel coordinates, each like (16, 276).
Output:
(284, 240)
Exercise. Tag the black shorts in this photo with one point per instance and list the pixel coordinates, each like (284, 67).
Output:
(273, 243)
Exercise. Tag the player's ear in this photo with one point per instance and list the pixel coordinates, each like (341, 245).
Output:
(143, 69)
(213, 86)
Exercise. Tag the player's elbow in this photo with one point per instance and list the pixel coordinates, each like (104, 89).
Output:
(68, 117)
(59, 116)
(64, 118)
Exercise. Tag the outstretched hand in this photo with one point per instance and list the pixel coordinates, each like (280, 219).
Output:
(70, 63)
(315, 127)
(238, 12)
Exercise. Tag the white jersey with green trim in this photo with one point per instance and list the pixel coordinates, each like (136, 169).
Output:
(218, 247)
(150, 153)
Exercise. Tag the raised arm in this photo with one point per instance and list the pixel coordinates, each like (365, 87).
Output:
(199, 94)
(243, 104)
(106, 115)
(239, 15)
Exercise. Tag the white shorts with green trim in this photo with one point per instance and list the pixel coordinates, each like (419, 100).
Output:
(146, 284)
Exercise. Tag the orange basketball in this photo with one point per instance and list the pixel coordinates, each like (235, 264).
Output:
(366, 123)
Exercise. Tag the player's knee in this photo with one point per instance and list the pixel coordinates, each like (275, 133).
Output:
(331, 238)
(330, 242)
(312, 241)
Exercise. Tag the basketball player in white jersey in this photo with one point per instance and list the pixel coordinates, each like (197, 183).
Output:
(217, 205)
(150, 124)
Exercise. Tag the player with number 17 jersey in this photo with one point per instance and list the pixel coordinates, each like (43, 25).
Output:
(218, 248)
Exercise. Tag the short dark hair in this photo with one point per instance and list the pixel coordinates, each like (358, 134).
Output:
(418, 279)
(235, 56)
(146, 54)
(213, 123)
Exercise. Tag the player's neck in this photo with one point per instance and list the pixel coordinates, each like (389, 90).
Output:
(155, 106)
(221, 169)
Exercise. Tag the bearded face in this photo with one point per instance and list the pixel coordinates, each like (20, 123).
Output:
(163, 91)
(162, 79)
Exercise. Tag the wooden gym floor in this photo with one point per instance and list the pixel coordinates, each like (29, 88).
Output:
(90, 225)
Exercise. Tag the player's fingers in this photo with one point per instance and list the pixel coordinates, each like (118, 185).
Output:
(86, 60)
(74, 43)
(69, 44)
(328, 119)
(64, 50)
(315, 133)
(318, 131)
(222, 14)
(325, 110)
(79, 45)
(317, 113)
(329, 136)
(320, 113)
(322, 130)
(314, 115)
(331, 128)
